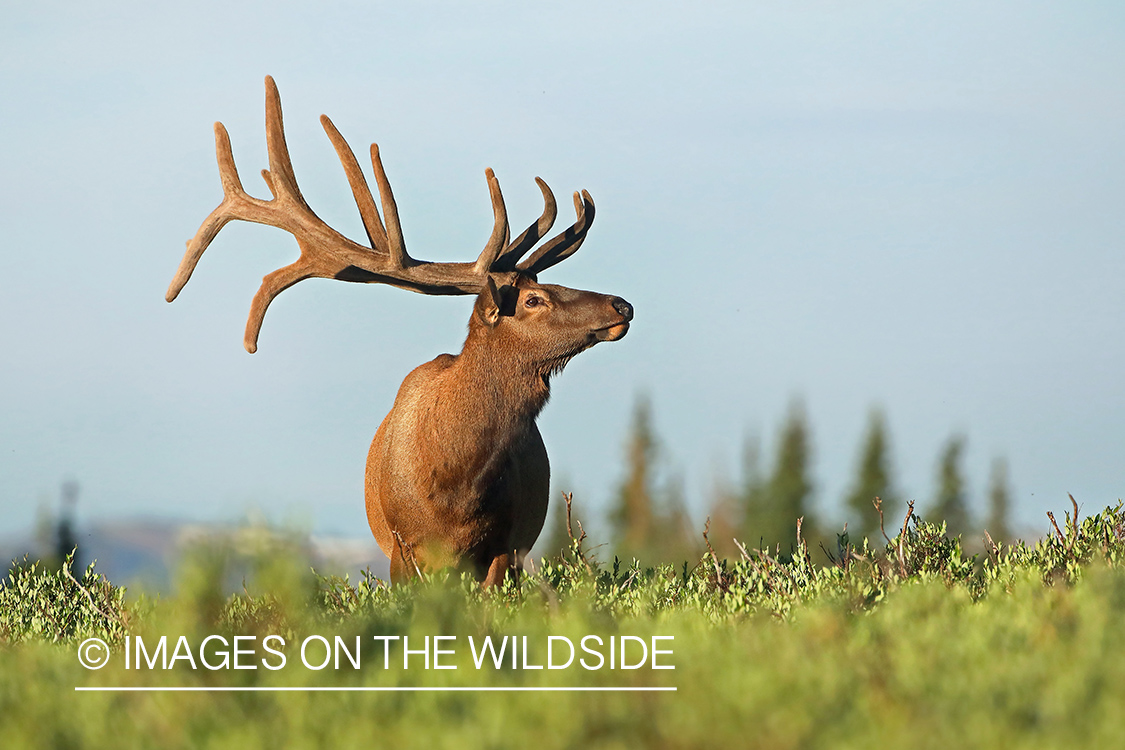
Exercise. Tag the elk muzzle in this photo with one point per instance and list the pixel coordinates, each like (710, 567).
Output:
(616, 331)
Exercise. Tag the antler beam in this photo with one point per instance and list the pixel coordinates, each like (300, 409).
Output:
(326, 253)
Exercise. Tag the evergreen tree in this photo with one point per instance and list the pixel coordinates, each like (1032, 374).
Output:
(951, 505)
(758, 527)
(999, 502)
(649, 518)
(632, 516)
(790, 484)
(773, 507)
(873, 479)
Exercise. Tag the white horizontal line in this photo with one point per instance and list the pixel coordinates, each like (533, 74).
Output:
(269, 689)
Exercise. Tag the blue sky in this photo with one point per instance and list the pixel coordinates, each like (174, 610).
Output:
(917, 206)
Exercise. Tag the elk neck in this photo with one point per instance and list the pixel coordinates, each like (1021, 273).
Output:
(512, 388)
(497, 397)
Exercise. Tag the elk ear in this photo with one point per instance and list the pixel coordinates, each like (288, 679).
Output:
(489, 303)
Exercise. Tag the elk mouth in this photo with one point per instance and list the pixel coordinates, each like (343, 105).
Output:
(613, 332)
(616, 330)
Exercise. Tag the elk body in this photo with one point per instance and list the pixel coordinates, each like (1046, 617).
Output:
(457, 473)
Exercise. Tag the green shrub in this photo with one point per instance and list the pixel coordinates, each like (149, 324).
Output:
(909, 642)
(55, 607)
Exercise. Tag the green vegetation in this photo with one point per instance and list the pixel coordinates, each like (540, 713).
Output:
(38, 605)
(892, 631)
(907, 642)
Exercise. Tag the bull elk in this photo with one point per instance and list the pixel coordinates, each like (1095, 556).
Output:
(457, 473)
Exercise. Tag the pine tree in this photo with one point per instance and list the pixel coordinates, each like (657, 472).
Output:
(790, 485)
(999, 502)
(951, 505)
(650, 517)
(632, 516)
(773, 507)
(758, 528)
(873, 479)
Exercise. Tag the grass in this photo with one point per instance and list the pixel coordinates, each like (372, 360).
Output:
(910, 642)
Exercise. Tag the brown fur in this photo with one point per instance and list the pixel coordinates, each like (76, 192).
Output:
(457, 473)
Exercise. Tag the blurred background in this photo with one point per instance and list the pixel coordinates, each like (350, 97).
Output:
(874, 248)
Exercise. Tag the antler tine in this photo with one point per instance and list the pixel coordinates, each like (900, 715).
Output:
(500, 231)
(566, 244)
(272, 285)
(514, 251)
(237, 203)
(376, 233)
(395, 242)
(217, 219)
(281, 179)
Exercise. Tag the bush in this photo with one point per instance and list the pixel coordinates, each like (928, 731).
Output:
(55, 607)
(907, 642)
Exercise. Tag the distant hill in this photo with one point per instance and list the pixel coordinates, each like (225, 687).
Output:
(144, 553)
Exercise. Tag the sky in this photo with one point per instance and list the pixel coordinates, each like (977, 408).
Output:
(916, 207)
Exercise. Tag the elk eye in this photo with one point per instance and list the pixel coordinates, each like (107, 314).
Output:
(533, 301)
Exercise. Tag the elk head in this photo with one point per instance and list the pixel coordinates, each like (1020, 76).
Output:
(457, 466)
(543, 326)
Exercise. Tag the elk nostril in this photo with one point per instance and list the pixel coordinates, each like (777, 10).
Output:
(623, 308)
